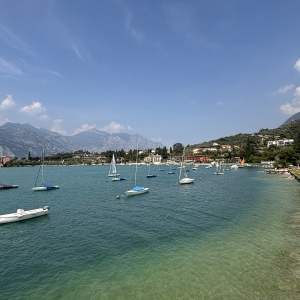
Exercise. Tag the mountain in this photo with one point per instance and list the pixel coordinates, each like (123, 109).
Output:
(292, 118)
(18, 139)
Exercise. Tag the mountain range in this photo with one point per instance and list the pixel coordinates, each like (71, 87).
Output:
(17, 140)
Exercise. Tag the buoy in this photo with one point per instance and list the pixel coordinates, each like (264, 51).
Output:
(118, 197)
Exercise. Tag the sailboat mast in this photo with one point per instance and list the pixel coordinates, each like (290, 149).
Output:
(137, 151)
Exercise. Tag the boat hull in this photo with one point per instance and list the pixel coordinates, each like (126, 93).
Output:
(7, 186)
(135, 192)
(21, 215)
(118, 178)
(45, 188)
(186, 180)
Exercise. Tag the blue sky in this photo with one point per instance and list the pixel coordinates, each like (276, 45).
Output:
(171, 71)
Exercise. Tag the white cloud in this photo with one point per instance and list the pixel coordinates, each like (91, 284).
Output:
(297, 65)
(8, 68)
(83, 128)
(35, 109)
(294, 107)
(8, 102)
(285, 88)
(114, 127)
(57, 127)
(133, 32)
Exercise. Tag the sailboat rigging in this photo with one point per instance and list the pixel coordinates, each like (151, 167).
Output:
(185, 179)
(43, 186)
(136, 190)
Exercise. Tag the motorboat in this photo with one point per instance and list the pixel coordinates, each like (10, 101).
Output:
(22, 214)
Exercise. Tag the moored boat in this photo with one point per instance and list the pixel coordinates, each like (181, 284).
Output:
(22, 214)
(7, 186)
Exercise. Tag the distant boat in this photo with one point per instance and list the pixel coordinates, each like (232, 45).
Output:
(22, 214)
(185, 179)
(150, 175)
(136, 190)
(118, 178)
(113, 169)
(43, 186)
(7, 186)
(171, 169)
(115, 176)
(219, 170)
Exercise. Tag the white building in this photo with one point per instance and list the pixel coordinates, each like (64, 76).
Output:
(281, 143)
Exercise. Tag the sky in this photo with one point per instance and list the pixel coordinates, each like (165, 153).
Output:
(171, 71)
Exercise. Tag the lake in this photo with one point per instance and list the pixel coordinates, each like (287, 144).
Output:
(232, 236)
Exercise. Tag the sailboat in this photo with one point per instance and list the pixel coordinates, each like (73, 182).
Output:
(185, 179)
(136, 190)
(150, 175)
(43, 186)
(113, 169)
(219, 170)
(170, 169)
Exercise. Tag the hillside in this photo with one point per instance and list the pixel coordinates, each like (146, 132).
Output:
(289, 131)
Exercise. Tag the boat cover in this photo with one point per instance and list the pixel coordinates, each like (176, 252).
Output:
(138, 188)
(48, 186)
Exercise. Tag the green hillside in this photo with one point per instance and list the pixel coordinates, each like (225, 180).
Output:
(288, 131)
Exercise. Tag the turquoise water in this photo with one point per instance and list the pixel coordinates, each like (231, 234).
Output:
(234, 236)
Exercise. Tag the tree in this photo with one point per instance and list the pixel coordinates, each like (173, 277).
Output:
(288, 155)
(178, 149)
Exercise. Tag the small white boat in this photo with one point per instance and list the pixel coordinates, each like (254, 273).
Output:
(234, 166)
(219, 170)
(113, 168)
(185, 179)
(136, 191)
(22, 214)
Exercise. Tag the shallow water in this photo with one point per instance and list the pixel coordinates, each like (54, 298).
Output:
(233, 236)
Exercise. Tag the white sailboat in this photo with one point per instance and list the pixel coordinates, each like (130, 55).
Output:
(22, 214)
(219, 170)
(43, 186)
(113, 169)
(185, 179)
(136, 190)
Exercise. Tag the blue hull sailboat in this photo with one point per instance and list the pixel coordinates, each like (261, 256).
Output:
(136, 190)
(43, 186)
